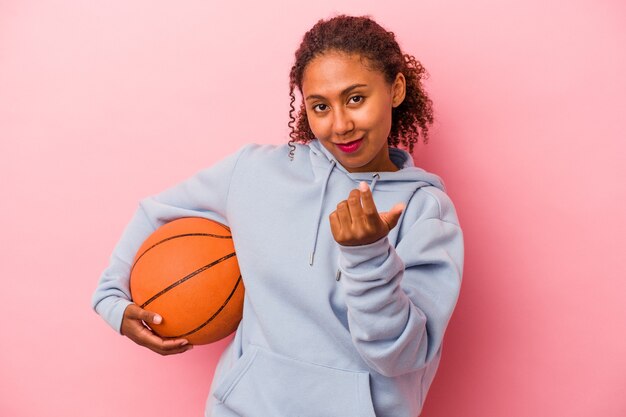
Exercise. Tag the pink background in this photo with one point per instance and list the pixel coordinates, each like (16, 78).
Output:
(103, 103)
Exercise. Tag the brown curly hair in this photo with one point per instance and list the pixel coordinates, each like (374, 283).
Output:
(363, 36)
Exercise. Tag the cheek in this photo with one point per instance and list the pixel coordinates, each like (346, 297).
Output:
(375, 117)
(318, 126)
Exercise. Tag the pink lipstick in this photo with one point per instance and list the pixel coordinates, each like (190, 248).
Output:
(350, 146)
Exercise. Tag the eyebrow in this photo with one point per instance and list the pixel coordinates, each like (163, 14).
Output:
(343, 92)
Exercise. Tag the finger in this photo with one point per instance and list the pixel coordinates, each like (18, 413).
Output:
(175, 345)
(177, 351)
(133, 311)
(335, 226)
(166, 352)
(145, 337)
(369, 207)
(398, 209)
(354, 205)
(343, 214)
(392, 216)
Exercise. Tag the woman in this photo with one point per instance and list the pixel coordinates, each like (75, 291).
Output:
(351, 256)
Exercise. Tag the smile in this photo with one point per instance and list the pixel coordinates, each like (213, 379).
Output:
(350, 146)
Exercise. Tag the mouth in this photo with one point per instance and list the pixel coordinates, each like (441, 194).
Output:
(350, 147)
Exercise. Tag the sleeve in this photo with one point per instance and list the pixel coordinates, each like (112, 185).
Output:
(400, 299)
(203, 195)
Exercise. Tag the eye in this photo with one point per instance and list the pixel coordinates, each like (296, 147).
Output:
(319, 107)
(357, 99)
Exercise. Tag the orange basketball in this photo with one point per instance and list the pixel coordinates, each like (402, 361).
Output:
(187, 272)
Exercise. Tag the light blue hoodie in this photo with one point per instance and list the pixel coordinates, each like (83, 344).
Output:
(327, 330)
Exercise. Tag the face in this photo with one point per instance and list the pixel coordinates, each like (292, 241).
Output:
(348, 106)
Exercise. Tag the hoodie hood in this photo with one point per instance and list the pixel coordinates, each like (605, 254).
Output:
(407, 177)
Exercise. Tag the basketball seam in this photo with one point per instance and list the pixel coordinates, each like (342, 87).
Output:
(176, 237)
(232, 293)
(185, 278)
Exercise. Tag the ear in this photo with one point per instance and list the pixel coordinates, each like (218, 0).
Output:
(398, 90)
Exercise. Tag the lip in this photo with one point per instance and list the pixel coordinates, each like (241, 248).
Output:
(350, 147)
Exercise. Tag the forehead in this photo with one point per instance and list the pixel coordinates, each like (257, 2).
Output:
(331, 72)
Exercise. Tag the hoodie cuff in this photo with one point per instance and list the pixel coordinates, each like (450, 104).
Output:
(112, 310)
(356, 260)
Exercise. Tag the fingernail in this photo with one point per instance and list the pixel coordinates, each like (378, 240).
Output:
(157, 319)
(184, 342)
(363, 186)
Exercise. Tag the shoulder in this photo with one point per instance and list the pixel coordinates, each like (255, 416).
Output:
(430, 202)
(275, 158)
(281, 152)
(443, 207)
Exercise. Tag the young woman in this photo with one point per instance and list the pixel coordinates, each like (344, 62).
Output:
(351, 256)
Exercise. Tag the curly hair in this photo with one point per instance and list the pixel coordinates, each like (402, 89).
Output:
(363, 36)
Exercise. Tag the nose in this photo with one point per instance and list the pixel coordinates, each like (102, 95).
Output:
(342, 123)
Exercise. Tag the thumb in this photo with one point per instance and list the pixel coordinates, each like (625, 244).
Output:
(133, 311)
(392, 216)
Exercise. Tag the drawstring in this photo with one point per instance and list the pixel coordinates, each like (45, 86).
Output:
(319, 214)
(375, 178)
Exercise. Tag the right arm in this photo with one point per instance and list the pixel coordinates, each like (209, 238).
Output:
(203, 195)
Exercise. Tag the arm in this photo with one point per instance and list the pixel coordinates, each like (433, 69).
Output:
(203, 195)
(400, 299)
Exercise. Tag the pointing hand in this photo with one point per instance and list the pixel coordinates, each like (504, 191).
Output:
(357, 221)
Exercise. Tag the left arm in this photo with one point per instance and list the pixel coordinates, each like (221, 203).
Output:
(399, 300)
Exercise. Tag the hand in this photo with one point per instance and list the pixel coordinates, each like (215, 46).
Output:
(134, 328)
(353, 224)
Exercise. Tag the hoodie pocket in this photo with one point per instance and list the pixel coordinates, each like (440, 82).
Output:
(263, 383)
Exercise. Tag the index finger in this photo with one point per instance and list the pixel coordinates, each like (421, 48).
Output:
(367, 200)
(156, 343)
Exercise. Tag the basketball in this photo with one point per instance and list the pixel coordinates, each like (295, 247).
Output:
(187, 272)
